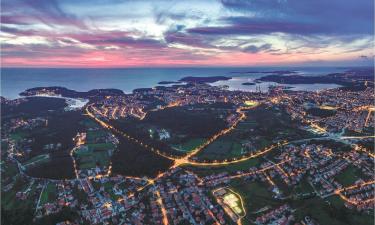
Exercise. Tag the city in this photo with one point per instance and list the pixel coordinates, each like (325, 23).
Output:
(283, 149)
(179, 112)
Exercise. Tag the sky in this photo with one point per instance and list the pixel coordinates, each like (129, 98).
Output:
(124, 33)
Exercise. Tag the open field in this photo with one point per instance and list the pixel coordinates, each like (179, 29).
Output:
(256, 197)
(49, 194)
(131, 159)
(188, 145)
(88, 159)
(262, 127)
(349, 176)
(37, 159)
(186, 126)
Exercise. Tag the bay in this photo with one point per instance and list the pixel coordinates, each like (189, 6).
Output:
(16, 80)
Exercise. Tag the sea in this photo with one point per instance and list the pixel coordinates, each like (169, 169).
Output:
(16, 80)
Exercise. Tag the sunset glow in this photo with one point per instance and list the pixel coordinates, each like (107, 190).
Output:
(52, 33)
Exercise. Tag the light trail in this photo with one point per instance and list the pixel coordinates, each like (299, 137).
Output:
(356, 137)
(114, 112)
(104, 124)
(186, 159)
(365, 108)
(170, 105)
(258, 171)
(105, 111)
(354, 202)
(163, 210)
(317, 127)
(368, 118)
(216, 136)
(269, 179)
(71, 153)
(122, 114)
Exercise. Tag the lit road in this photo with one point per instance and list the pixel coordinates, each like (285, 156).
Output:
(351, 201)
(186, 159)
(159, 200)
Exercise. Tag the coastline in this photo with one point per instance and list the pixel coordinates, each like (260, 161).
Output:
(17, 80)
(73, 103)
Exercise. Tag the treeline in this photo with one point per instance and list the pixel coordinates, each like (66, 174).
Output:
(60, 166)
(25, 216)
(194, 123)
(62, 128)
(34, 106)
(321, 112)
(133, 160)
(182, 124)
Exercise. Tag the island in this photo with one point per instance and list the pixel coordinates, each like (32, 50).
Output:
(360, 76)
(204, 79)
(248, 83)
(278, 72)
(65, 92)
(169, 82)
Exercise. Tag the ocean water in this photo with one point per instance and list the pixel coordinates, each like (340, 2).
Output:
(16, 80)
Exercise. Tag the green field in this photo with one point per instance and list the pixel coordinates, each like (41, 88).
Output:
(92, 135)
(223, 148)
(18, 135)
(8, 170)
(97, 151)
(348, 176)
(88, 159)
(37, 159)
(88, 123)
(256, 196)
(188, 126)
(262, 127)
(49, 194)
(303, 187)
(188, 145)
(330, 211)
(100, 146)
(108, 187)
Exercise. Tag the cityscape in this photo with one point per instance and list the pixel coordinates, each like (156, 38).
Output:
(179, 112)
(192, 154)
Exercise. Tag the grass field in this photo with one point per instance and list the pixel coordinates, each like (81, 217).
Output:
(89, 123)
(303, 187)
(49, 194)
(262, 127)
(256, 196)
(348, 176)
(188, 145)
(329, 211)
(92, 135)
(108, 187)
(100, 146)
(96, 152)
(18, 135)
(8, 199)
(37, 159)
(223, 148)
(8, 170)
(88, 159)
(187, 126)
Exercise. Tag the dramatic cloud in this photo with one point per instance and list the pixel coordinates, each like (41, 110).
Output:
(168, 33)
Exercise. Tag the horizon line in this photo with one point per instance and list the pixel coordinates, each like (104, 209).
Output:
(192, 67)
